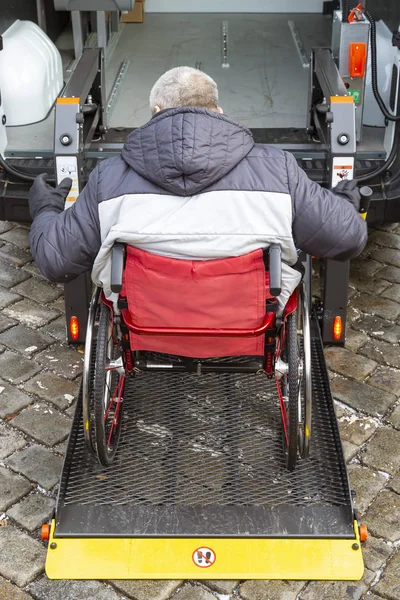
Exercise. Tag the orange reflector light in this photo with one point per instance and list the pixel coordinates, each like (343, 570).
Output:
(45, 532)
(363, 531)
(337, 328)
(74, 328)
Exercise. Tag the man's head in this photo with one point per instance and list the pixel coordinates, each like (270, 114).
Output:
(184, 86)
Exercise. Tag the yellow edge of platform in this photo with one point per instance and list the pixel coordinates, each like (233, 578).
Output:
(231, 558)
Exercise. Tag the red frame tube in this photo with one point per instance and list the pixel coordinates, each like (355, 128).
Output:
(267, 323)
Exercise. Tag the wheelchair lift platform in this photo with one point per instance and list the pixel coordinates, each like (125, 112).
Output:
(199, 488)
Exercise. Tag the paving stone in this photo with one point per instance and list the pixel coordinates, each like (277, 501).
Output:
(377, 305)
(12, 400)
(25, 340)
(348, 364)
(32, 511)
(386, 227)
(34, 288)
(389, 585)
(6, 323)
(16, 256)
(383, 451)
(391, 274)
(33, 269)
(63, 360)
(378, 328)
(255, 589)
(337, 590)
(45, 589)
(383, 516)
(46, 425)
(145, 589)
(382, 238)
(18, 236)
(221, 586)
(50, 387)
(375, 553)
(30, 313)
(382, 353)
(366, 483)
(394, 483)
(393, 293)
(364, 269)
(8, 591)
(355, 339)
(362, 396)
(355, 429)
(16, 368)
(368, 285)
(10, 441)
(37, 464)
(194, 592)
(389, 256)
(6, 226)
(7, 297)
(10, 275)
(59, 304)
(57, 329)
(386, 378)
(12, 488)
(394, 418)
(21, 557)
(349, 451)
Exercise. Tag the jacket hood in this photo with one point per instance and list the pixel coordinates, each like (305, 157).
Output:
(185, 150)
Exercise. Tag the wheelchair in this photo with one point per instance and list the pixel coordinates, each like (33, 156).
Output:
(201, 316)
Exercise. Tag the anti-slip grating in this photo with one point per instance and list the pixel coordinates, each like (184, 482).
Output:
(213, 439)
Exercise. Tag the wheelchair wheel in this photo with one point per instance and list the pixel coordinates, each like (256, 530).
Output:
(304, 336)
(89, 369)
(108, 388)
(289, 396)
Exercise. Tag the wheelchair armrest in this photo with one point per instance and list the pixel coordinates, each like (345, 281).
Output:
(275, 270)
(117, 267)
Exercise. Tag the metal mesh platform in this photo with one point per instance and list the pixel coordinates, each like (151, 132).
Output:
(203, 455)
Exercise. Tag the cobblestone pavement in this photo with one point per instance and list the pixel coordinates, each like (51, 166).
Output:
(39, 382)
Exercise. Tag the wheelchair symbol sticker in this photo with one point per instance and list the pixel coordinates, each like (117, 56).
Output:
(203, 557)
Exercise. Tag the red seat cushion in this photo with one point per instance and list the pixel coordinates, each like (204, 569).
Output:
(224, 293)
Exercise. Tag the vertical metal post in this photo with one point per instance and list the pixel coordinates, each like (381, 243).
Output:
(335, 296)
(115, 21)
(41, 14)
(101, 29)
(77, 32)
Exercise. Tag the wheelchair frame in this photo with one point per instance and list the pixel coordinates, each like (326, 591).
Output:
(109, 359)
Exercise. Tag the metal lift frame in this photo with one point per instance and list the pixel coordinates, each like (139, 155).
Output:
(82, 138)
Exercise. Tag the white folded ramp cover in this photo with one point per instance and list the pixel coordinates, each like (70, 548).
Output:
(31, 74)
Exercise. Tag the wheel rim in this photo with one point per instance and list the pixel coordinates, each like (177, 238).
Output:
(305, 402)
(114, 385)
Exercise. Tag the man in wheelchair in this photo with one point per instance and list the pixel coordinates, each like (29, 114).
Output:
(198, 205)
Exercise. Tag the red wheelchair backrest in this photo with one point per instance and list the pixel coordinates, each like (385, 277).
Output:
(169, 292)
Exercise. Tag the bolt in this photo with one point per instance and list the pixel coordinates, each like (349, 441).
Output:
(65, 139)
(53, 545)
(355, 546)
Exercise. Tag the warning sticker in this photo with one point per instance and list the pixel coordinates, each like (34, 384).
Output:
(342, 168)
(67, 166)
(203, 557)
(356, 95)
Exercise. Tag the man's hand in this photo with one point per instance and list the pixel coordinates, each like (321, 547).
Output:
(43, 197)
(350, 191)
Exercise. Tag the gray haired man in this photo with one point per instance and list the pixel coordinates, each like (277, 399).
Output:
(192, 184)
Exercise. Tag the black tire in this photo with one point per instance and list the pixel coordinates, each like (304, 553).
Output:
(290, 390)
(107, 409)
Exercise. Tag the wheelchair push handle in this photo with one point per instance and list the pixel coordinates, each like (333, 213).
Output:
(275, 269)
(117, 267)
